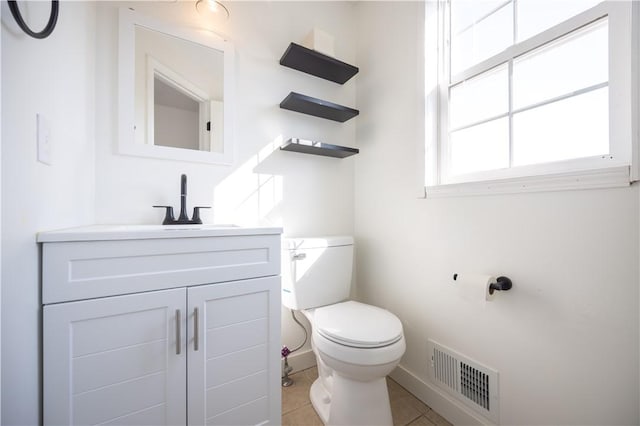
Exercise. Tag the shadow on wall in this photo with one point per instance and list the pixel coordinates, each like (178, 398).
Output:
(252, 194)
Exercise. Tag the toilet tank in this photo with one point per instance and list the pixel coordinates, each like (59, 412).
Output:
(316, 271)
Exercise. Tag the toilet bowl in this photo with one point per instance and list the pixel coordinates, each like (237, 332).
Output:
(356, 345)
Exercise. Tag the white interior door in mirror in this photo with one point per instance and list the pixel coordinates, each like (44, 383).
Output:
(175, 92)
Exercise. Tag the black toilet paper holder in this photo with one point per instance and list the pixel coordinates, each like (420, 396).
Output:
(501, 284)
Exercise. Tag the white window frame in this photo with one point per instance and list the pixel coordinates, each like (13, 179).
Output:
(618, 169)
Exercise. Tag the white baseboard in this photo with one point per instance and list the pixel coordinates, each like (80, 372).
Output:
(435, 398)
(301, 360)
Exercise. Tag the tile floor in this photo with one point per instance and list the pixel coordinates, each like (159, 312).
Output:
(406, 409)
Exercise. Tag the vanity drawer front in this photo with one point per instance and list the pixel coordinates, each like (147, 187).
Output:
(87, 269)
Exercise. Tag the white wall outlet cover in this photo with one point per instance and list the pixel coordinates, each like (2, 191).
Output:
(44, 139)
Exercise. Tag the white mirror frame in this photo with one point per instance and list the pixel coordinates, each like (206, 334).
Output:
(128, 20)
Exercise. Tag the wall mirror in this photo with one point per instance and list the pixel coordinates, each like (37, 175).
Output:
(175, 91)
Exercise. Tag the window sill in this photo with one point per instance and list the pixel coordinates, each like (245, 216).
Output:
(612, 177)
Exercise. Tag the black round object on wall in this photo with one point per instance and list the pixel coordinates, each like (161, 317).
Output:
(53, 19)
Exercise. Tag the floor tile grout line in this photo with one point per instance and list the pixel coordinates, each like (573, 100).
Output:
(294, 409)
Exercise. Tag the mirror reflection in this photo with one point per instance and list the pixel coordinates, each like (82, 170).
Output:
(179, 92)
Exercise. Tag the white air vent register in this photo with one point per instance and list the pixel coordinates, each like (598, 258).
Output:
(473, 384)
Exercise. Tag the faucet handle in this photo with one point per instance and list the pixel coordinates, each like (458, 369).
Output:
(168, 216)
(196, 214)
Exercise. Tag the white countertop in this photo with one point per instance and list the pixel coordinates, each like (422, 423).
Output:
(136, 232)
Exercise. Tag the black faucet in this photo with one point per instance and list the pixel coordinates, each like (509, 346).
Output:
(183, 219)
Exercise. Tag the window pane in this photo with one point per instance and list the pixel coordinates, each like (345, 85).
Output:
(572, 128)
(535, 16)
(479, 98)
(481, 41)
(482, 147)
(465, 13)
(462, 51)
(562, 67)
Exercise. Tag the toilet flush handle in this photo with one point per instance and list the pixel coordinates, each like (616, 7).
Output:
(299, 256)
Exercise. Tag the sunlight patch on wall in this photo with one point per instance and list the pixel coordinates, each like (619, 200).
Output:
(249, 196)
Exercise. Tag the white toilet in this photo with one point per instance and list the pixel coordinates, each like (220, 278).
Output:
(356, 345)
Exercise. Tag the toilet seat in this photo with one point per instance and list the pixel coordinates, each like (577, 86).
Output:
(357, 325)
(358, 357)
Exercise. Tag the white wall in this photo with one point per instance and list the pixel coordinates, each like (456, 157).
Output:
(565, 339)
(54, 77)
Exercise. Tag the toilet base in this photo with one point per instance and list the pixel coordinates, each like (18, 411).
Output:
(320, 400)
(352, 402)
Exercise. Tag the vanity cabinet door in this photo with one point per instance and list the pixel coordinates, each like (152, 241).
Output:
(234, 353)
(116, 360)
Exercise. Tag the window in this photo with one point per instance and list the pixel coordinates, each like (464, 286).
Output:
(529, 89)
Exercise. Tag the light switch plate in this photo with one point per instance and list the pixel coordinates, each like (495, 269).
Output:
(44, 139)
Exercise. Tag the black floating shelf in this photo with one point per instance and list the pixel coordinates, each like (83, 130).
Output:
(318, 107)
(318, 148)
(315, 63)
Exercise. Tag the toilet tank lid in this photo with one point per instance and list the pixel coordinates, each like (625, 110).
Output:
(299, 243)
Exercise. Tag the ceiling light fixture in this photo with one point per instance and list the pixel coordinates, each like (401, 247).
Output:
(212, 6)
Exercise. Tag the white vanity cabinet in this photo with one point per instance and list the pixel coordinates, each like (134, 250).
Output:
(161, 325)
